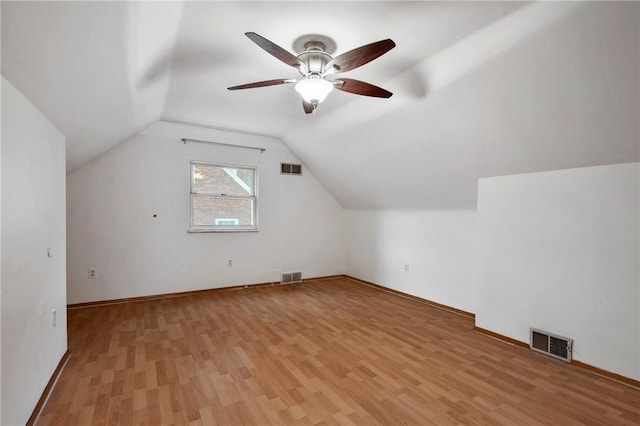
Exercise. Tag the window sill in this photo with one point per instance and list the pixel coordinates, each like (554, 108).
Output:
(209, 231)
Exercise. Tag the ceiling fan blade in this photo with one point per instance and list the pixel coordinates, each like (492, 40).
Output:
(359, 56)
(275, 50)
(263, 84)
(308, 107)
(361, 88)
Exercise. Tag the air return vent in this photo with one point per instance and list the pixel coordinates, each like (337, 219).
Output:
(291, 277)
(551, 344)
(290, 169)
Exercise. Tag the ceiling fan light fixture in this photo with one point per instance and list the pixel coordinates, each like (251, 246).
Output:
(314, 89)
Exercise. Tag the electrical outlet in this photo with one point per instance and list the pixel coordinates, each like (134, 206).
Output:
(53, 318)
(406, 267)
(229, 263)
(93, 274)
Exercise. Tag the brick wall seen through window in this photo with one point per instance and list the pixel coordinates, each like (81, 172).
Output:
(223, 197)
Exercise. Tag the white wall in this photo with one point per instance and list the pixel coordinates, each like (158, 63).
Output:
(112, 199)
(1, 89)
(437, 245)
(33, 284)
(559, 251)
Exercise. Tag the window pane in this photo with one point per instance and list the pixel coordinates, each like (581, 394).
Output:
(227, 211)
(217, 180)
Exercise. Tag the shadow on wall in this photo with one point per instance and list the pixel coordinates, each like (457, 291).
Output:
(484, 45)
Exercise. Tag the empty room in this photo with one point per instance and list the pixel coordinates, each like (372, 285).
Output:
(320, 213)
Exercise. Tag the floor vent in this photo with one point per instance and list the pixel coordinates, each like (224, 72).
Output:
(290, 169)
(551, 344)
(291, 277)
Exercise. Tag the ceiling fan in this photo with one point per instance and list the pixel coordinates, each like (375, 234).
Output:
(315, 64)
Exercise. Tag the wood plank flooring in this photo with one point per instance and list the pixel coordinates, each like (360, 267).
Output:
(319, 353)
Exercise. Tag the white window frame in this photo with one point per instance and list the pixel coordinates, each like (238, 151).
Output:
(223, 228)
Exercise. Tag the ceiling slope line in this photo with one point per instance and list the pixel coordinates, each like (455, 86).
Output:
(220, 128)
(185, 140)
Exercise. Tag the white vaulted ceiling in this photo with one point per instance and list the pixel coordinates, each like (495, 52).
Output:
(480, 88)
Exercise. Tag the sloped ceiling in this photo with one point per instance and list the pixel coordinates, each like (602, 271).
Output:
(480, 88)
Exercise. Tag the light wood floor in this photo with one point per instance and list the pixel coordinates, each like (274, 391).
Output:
(325, 352)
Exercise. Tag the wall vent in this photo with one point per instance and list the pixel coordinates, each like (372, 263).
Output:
(290, 169)
(551, 344)
(291, 277)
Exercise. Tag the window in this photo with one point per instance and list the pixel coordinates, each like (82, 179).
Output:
(223, 198)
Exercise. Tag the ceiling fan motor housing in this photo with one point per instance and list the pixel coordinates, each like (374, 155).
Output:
(314, 57)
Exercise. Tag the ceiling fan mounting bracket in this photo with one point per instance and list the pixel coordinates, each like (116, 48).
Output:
(314, 46)
(302, 43)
